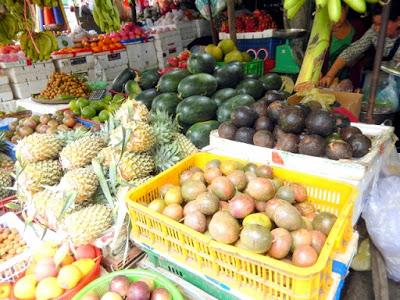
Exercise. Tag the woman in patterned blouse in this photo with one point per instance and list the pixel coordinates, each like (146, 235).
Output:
(355, 51)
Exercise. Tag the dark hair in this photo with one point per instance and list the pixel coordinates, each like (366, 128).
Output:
(376, 9)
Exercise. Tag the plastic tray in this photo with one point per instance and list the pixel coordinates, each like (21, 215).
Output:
(258, 276)
(100, 286)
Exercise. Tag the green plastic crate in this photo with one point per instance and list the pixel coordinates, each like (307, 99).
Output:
(254, 67)
(221, 292)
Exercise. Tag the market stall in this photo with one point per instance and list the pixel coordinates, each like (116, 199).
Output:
(183, 152)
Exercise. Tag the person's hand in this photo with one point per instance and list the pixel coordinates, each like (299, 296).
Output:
(326, 81)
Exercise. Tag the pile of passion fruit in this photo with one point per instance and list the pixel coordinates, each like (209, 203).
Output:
(246, 206)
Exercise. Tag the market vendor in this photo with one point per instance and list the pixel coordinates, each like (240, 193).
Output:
(356, 50)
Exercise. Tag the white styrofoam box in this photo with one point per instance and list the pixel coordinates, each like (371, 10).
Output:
(6, 96)
(203, 27)
(37, 71)
(75, 64)
(26, 89)
(167, 40)
(268, 33)
(142, 56)
(187, 31)
(4, 79)
(112, 60)
(9, 106)
(5, 88)
(359, 172)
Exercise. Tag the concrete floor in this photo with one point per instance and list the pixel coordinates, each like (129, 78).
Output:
(358, 286)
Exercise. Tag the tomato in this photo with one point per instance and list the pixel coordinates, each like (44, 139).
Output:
(172, 61)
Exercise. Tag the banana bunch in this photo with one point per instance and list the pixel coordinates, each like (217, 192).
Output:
(9, 28)
(45, 42)
(292, 7)
(106, 16)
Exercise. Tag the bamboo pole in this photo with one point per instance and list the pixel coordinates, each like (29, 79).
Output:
(378, 60)
(231, 20)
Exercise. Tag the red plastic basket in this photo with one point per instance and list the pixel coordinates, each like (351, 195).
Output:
(4, 209)
(92, 275)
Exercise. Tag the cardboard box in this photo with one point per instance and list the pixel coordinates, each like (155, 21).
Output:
(350, 101)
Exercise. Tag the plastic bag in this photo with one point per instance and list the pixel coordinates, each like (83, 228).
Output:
(382, 217)
(387, 97)
(217, 6)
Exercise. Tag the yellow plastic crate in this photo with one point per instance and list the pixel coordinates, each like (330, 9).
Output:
(258, 276)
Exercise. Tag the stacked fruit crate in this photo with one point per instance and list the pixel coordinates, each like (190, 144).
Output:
(167, 43)
(26, 80)
(112, 63)
(79, 65)
(6, 93)
(142, 56)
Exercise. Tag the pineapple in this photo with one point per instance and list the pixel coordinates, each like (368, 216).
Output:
(186, 147)
(164, 127)
(106, 155)
(51, 205)
(87, 224)
(35, 176)
(80, 153)
(83, 181)
(139, 181)
(139, 137)
(132, 110)
(166, 156)
(38, 147)
(5, 182)
(6, 162)
(134, 165)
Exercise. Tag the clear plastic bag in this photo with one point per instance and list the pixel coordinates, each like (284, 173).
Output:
(382, 217)
(387, 97)
(217, 6)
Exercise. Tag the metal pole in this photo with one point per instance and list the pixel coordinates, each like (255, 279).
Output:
(133, 10)
(231, 19)
(214, 33)
(378, 60)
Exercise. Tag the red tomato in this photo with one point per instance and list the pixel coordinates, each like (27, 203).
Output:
(172, 61)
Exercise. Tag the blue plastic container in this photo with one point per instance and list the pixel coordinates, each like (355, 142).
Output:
(269, 44)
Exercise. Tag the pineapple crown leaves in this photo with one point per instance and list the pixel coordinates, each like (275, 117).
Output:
(3, 145)
(164, 126)
(165, 156)
(68, 137)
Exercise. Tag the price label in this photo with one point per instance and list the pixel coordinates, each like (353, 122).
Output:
(78, 61)
(114, 56)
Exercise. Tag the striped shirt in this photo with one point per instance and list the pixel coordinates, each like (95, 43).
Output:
(352, 53)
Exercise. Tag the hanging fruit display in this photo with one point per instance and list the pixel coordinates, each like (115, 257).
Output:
(38, 45)
(106, 16)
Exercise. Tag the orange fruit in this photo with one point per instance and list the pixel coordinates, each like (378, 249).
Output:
(96, 49)
(93, 45)
(106, 48)
(115, 40)
(107, 41)
(100, 44)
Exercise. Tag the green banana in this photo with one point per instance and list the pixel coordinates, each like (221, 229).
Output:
(292, 12)
(321, 3)
(357, 5)
(287, 4)
(334, 10)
